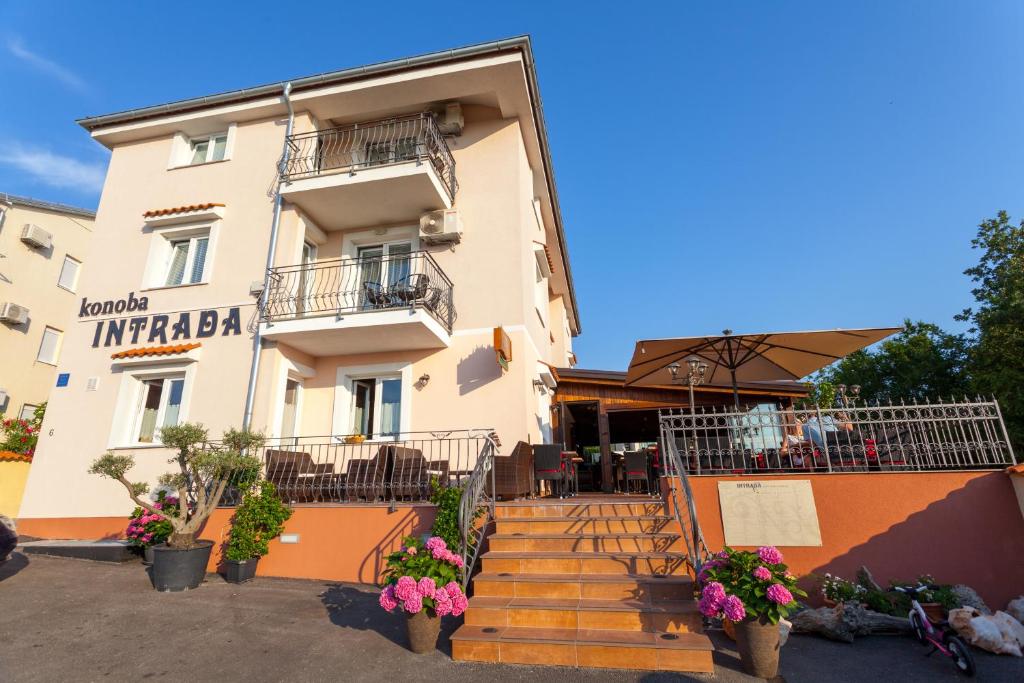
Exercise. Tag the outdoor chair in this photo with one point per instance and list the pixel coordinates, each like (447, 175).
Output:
(513, 474)
(548, 466)
(365, 478)
(408, 478)
(411, 289)
(296, 477)
(636, 470)
(375, 296)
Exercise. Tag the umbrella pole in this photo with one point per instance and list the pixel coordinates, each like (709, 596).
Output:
(735, 390)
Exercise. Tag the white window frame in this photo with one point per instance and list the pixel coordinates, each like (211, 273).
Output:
(124, 431)
(344, 397)
(56, 349)
(182, 147)
(31, 413)
(540, 293)
(161, 253)
(78, 272)
(287, 370)
(190, 259)
(161, 413)
(210, 141)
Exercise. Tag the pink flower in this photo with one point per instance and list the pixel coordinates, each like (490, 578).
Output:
(158, 506)
(708, 607)
(723, 554)
(426, 587)
(435, 542)
(387, 598)
(769, 554)
(442, 607)
(453, 589)
(405, 588)
(762, 574)
(459, 605)
(733, 609)
(779, 594)
(411, 550)
(714, 591)
(439, 553)
(413, 604)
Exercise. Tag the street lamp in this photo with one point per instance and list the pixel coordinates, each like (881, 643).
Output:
(695, 374)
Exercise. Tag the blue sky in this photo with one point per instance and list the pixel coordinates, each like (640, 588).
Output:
(753, 165)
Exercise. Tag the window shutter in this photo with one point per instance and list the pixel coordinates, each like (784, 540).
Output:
(199, 260)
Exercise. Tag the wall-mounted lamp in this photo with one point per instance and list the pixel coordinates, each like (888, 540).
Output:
(422, 381)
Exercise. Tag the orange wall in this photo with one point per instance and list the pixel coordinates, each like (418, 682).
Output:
(961, 527)
(335, 543)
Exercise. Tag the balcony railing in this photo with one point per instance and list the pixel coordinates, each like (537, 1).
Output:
(952, 435)
(360, 146)
(337, 469)
(354, 285)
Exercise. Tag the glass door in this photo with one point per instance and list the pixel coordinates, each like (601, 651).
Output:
(307, 277)
(289, 418)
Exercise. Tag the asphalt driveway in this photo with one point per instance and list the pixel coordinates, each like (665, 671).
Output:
(64, 619)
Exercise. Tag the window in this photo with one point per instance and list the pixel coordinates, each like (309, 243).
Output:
(159, 406)
(69, 274)
(540, 293)
(187, 263)
(377, 406)
(28, 412)
(392, 151)
(205, 150)
(49, 347)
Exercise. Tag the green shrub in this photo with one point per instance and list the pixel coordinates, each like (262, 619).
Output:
(446, 523)
(259, 519)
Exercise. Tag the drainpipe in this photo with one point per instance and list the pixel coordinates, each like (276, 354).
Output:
(257, 339)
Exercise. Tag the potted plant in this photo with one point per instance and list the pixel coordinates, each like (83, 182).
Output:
(422, 580)
(753, 590)
(836, 590)
(259, 518)
(204, 471)
(147, 529)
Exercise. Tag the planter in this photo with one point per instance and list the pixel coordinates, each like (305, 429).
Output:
(147, 555)
(180, 570)
(423, 631)
(729, 629)
(240, 571)
(758, 643)
(934, 611)
(829, 602)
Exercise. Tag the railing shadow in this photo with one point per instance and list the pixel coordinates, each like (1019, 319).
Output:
(375, 561)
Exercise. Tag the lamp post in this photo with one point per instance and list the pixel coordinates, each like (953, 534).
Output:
(847, 395)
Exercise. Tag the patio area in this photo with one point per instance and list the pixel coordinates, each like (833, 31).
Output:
(101, 621)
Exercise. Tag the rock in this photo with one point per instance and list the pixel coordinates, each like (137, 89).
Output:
(1012, 630)
(865, 579)
(999, 633)
(845, 621)
(960, 621)
(785, 626)
(8, 537)
(967, 597)
(1016, 609)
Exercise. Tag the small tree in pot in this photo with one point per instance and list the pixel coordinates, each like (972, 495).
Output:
(259, 519)
(205, 470)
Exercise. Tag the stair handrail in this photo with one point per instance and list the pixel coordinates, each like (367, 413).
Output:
(693, 537)
(477, 501)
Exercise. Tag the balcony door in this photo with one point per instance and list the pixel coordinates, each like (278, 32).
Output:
(290, 414)
(304, 299)
(377, 407)
(380, 268)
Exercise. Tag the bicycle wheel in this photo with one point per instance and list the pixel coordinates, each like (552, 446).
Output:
(919, 630)
(961, 655)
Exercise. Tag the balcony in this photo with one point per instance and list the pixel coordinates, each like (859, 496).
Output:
(360, 305)
(372, 173)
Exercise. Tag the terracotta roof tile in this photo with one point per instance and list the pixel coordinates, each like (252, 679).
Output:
(156, 351)
(11, 456)
(153, 213)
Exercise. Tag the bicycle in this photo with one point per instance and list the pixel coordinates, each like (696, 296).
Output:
(942, 638)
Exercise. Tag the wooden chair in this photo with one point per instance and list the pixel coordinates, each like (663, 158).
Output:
(636, 470)
(548, 466)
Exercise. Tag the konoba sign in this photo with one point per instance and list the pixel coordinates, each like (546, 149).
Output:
(158, 327)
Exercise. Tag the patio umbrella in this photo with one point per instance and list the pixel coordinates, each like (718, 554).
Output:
(763, 357)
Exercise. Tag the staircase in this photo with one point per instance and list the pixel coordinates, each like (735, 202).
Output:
(600, 582)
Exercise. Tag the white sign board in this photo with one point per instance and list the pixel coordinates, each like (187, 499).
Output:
(779, 512)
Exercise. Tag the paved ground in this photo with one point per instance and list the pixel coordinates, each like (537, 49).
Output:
(64, 619)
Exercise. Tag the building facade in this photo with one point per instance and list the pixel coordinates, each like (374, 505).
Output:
(372, 235)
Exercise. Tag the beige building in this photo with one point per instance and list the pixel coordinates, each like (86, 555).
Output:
(43, 247)
(416, 213)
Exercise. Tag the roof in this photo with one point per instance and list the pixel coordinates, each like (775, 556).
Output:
(521, 44)
(152, 213)
(13, 199)
(585, 375)
(168, 350)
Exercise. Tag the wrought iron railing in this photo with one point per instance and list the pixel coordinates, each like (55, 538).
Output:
(414, 138)
(947, 435)
(683, 505)
(345, 469)
(354, 285)
(476, 508)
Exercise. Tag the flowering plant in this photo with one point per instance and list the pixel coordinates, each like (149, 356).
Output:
(740, 584)
(20, 436)
(147, 528)
(838, 589)
(424, 575)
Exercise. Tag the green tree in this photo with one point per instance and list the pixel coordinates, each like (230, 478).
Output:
(996, 359)
(921, 362)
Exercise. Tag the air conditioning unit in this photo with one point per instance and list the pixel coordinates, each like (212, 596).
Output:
(34, 236)
(256, 289)
(450, 122)
(441, 227)
(13, 314)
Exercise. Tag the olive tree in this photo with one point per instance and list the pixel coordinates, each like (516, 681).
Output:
(205, 470)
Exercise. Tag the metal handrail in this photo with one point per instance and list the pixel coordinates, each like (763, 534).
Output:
(414, 138)
(693, 537)
(476, 500)
(355, 285)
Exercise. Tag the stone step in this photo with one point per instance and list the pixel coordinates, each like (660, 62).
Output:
(611, 542)
(584, 563)
(577, 586)
(577, 508)
(586, 525)
(669, 616)
(97, 551)
(606, 649)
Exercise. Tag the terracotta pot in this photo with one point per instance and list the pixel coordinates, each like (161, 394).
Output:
(758, 643)
(934, 611)
(829, 602)
(424, 628)
(729, 629)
